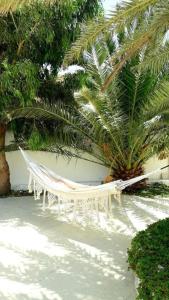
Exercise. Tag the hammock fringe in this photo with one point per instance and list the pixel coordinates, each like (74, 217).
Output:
(71, 196)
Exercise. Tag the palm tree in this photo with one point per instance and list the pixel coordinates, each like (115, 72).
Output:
(121, 127)
(151, 35)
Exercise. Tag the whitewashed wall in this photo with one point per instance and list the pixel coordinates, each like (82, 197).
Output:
(154, 163)
(77, 170)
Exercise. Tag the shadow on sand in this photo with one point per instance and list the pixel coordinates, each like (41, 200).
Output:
(46, 257)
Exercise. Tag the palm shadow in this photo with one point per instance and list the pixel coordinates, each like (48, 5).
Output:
(42, 257)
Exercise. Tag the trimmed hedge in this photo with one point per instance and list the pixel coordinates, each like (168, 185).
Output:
(149, 258)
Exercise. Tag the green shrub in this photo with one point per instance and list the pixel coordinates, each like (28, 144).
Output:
(149, 258)
(153, 189)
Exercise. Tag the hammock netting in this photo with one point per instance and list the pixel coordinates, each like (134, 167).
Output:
(69, 195)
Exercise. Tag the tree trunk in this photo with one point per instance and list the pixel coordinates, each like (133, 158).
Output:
(126, 174)
(4, 168)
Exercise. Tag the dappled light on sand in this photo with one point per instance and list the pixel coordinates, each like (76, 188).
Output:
(28, 238)
(46, 256)
(13, 289)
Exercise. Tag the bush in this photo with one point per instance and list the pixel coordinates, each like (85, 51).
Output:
(149, 258)
(153, 189)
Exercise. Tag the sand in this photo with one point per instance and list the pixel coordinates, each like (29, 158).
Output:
(43, 256)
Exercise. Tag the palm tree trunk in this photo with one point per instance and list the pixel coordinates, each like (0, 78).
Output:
(126, 174)
(4, 168)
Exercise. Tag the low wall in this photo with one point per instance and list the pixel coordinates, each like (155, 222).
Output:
(154, 163)
(76, 170)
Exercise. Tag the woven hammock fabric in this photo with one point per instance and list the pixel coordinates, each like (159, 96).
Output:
(74, 196)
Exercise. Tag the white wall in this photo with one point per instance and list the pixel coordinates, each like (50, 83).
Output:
(77, 170)
(9, 138)
(154, 163)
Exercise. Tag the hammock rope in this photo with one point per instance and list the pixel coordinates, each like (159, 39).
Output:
(72, 196)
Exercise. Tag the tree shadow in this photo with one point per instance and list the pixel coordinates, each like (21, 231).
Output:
(42, 257)
(144, 211)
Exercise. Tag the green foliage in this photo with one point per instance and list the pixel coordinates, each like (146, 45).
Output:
(62, 89)
(18, 84)
(43, 33)
(154, 189)
(123, 126)
(33, 40)
(35, 140)
(151, 21)
(122, 16)
(149, 258)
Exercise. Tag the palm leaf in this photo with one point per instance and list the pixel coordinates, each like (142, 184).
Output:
(156, 59)
(116, 19)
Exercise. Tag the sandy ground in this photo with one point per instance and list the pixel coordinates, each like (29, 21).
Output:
(46, 257)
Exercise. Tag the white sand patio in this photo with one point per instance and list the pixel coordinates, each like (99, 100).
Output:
(43, 257)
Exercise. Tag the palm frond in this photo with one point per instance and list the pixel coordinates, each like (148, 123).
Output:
(158, 102)
(131, 48)
(156, 59)
(70, 146)
(152, 33)
(73, 124)
(93, 29)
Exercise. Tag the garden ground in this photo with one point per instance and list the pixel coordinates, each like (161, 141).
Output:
(46, 257)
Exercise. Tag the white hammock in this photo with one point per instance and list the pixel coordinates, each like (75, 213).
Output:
(74, 196)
